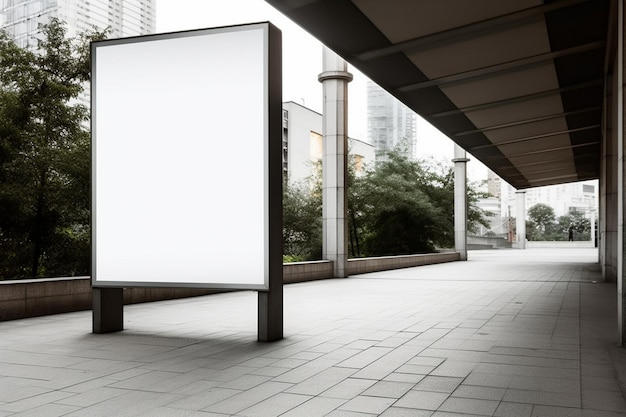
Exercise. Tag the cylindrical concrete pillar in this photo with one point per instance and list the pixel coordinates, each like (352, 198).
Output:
(335, 79)
(520, 220)
(460, 201)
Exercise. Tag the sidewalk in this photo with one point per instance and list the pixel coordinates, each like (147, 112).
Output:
(507, 333)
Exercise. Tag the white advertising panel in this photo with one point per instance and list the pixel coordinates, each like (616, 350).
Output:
(180, 159)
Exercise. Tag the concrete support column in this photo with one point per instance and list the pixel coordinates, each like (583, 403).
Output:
(621, 287)
(592, 222)
(460, 201)
(335, 79)
(520, 220)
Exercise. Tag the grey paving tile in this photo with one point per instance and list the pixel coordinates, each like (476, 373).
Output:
(322, 381)
(406, 412)
(89, 385)
(400, 377)
(203, 399)
(315, 407)
(348, 388)
(132, 403)
(306, 370)
(245, 382)
(488, 380)
(425, 361)
(248, 398)
(422, 400)
(346, 413)
(366, 404)
(470, 406)
(599, 382)
(415, 369)
(438, 384)
(454, 368)
(603, 400)
(388, 363)
(389, 389)
(275, 406)
(549, 411)
(48, 410)
(601, 413)
(453, 414)
(537, 383)
(364, 358)
(94, 396)
(478, 392)
(542, 398)
(508, 409)
(271, 371)
(14, 389)
(35, 401)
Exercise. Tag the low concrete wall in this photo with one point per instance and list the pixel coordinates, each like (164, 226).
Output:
(559, 244)
(487, 242)
(40, 297)
(307, 271)
(384, 263)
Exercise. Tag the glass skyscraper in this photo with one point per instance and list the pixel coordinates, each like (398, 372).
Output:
(390, 124)
(21, 18)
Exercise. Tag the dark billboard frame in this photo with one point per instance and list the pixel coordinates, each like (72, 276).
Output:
(128, 150)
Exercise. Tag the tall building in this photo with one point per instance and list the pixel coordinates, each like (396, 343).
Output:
(390, 124)
(21, 18)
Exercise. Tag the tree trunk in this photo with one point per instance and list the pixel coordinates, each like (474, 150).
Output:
(37, 233)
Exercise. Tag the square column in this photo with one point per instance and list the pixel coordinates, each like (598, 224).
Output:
(520, 220)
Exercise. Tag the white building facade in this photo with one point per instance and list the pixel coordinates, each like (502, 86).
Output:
(303, 144)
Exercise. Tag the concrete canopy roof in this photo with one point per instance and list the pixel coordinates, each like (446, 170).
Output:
(517, 83)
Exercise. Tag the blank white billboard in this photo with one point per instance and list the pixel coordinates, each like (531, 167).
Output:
(180, 159)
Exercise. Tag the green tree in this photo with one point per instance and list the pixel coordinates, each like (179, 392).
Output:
(302, 219)
(404, 207)
(44, 155)
(542, 216)
(581, 226)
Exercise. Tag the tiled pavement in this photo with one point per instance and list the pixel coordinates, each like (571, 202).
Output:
(507, 333)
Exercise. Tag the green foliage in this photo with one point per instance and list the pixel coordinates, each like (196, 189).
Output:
(545, 226)
(542, 215)
(302, 219)
(405, 207)
(400, 207)
(44, 156)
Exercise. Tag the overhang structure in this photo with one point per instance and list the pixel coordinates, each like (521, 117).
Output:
(518, 83)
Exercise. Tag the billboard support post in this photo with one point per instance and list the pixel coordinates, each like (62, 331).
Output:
(108, 310)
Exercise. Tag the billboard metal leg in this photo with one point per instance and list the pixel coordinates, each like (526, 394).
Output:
(270, 321)
(108, 310)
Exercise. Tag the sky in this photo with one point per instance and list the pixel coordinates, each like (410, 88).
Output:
(302, 63)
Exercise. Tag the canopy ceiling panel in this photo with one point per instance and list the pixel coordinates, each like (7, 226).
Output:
(517, 83)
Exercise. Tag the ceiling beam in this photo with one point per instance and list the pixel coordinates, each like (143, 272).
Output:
(518, 99)
(535, 137)
(543, 151)
(506, 21)
(546, 161)
(527, 121)
(503, 68)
